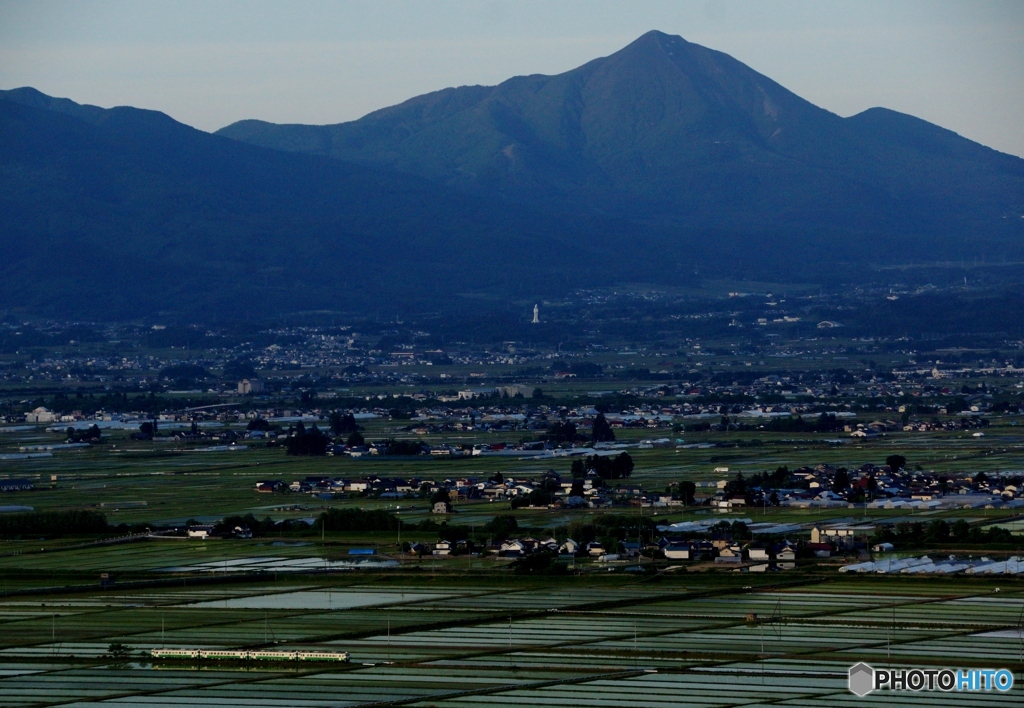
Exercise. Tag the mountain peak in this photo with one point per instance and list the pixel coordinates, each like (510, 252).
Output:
(28, 96)
(663, 129)
(652, 46)
(657, 38)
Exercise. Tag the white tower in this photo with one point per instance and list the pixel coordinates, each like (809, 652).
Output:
(536, 314)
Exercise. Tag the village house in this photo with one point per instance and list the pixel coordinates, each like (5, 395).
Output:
(568, 547)
(758, 552)
(678, 550)
(730, 554)
(201, 532)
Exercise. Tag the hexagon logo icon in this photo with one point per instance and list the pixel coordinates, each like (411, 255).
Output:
(862, 679)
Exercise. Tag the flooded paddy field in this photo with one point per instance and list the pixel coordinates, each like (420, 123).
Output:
(422, 638)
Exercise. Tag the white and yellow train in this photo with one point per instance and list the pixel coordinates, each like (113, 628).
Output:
(248, 655)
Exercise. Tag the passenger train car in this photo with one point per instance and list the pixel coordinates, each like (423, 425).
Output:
(248, 655)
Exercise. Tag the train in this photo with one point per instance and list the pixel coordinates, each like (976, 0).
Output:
(248, 655)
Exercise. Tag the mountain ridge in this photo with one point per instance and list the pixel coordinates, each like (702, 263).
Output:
(663, 163)
(135, 213)
(662, 130)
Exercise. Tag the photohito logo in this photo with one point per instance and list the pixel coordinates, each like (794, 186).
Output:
(864, 679)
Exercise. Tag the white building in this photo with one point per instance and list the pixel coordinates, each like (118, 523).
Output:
(40, 415)
(247, 386)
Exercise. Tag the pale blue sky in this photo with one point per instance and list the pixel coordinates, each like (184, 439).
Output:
(208, 62)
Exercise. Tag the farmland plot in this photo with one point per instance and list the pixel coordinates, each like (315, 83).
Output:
(504, 642)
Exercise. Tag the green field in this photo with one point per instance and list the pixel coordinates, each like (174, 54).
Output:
(166, 482)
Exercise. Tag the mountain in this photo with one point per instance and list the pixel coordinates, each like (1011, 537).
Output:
(669, 132)
(663, 163)
(127, 213)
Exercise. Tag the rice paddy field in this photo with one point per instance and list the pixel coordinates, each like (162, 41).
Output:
(426, 637)
(467, 631)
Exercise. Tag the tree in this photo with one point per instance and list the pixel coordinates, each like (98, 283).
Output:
(740, 532)
(258, 424)
(239, 369)
(937, 531)
(118, 650)
(405, 447)
(896, 462)
(501, 527)
(52, 524)
(578, 469)
(356, 439)
(538, 497)
(688, 491)
(737, 485)
(779, 476)
(602, 431)
(441, 495)
(622, 466)
(342, 423)
(841, 481)
(354, 521)
(551, 483)
(542, 562)
(563, 432)
(311, 443)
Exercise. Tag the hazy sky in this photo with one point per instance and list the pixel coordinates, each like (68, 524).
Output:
(209, 63)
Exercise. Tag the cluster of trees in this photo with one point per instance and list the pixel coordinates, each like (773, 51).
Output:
(771, 480)
(258, 527)
(563, 432)
(147, 431)
(52, 524)
(114, 402)
(604, 466)
(582, 369)
(737, 530)
(538, 497)
(602, 430)
(940, 532)
(91, 435)
(304, 442)
(184, 374)
(567, 432)
(501, 527)
(356, 520)
(342, 423)
(404, 447)
(687, 492)
(825, 423)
